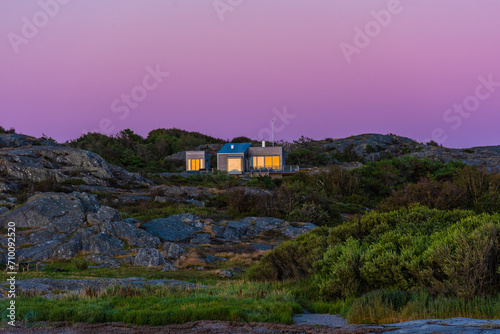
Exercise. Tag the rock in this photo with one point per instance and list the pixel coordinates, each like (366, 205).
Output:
(225, 273)
(196, 202)
(293, 232)
(103, 261)
(168, 266)
(262, 247)
(175, 228)
(105, 214)
(183, 193)
(3, 210)
(19, 140)
(79, 241)
(177, 156)
(56, 212)
(148, 257)
(133, 235)
(132, 221)
(201, 238)
(103, 243)
(161, 199)
(8, 187)
(172, 251)
(38, 163)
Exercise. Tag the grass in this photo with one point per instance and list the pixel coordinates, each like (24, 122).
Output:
(159, 305)
(391, 306)
(231, 300)
(192, 276)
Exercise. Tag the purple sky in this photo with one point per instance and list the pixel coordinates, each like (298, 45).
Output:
(227, 76)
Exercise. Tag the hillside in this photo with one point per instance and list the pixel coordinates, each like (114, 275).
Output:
(163, 150)
(412, 230)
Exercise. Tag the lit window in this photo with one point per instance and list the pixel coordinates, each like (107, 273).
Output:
(234, 164)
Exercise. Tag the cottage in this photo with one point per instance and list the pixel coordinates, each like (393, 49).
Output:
(236, 158)
(197, 161)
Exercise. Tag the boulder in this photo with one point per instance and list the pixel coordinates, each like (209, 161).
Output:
(38, 163)
(105, 214)
(172, 251)
(168, 266)
(293, 232)
(196, 203)
(57, 212)
(148, 257)
(103, 261)
(133, 235)
(175, 228)
(201, 238)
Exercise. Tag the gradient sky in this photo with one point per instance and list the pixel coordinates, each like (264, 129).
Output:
(227, 77)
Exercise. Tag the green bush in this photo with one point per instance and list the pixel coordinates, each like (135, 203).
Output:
(81, 264)
(452, 253)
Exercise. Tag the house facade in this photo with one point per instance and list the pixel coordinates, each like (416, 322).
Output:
(239, 158)
(197, 161)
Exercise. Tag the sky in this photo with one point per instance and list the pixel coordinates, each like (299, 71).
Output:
(426, 69)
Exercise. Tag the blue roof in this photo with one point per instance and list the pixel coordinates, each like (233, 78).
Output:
(237, 148)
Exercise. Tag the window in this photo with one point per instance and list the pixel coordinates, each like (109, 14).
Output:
(234, 164)
(276, 162)
(196, 164)
(268, 162)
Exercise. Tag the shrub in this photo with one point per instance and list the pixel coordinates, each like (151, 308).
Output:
(311, 212)
(81, 264)
(428, 192)
(292, 259)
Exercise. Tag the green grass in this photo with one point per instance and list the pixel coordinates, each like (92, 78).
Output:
(391, 306)
(159, 305)
(192, 276)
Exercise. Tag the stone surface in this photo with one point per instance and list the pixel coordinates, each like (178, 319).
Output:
(38, 163)
(148, 257)
(175, 228)
(168, 266)
(172, 251)
(57, 212)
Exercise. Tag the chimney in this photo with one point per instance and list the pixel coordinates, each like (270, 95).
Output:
(263, 143)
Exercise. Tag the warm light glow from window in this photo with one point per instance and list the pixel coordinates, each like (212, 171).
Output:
(268, 162)
(233, 164)
(196, 164)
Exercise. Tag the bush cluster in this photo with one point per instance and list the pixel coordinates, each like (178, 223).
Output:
(450, 253)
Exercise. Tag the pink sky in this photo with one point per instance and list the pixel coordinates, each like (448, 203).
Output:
(227, 77)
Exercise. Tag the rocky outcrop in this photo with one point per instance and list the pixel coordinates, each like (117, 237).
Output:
(63, 164)
(193, 229)
(62, 226)
(58, 225)
(148, 257)
(18, 140)
(375, 147)
(175, 228)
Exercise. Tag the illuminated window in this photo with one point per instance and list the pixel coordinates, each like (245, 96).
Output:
(269, 162)
(276, 162)
(196, 164)
(234, 164)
